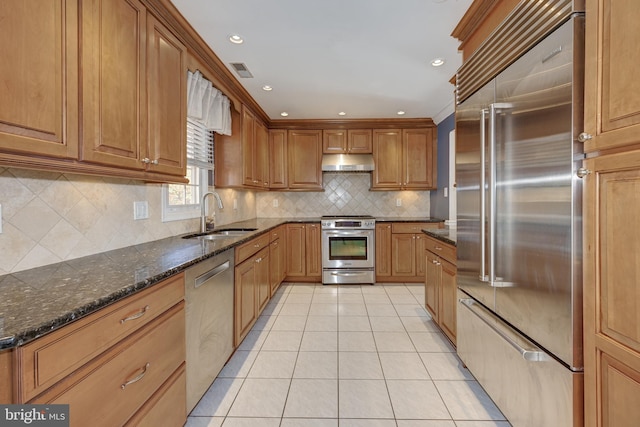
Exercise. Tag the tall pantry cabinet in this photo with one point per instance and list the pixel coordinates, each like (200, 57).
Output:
(611, 220)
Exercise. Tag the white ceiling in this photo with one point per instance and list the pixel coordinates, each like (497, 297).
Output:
(368, 58)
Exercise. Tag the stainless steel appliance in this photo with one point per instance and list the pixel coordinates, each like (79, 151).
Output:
(518, 156)
(348, 249)
(209, 322)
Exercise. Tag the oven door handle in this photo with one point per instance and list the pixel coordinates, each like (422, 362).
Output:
(349, 274)
(346, 233)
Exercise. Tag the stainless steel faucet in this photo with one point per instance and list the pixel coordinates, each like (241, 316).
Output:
(203, 210)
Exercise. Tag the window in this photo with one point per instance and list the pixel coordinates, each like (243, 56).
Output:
(182, 201)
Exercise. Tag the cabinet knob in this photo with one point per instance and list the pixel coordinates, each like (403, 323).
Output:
(149, 161)
(584, 137)
(582, 172)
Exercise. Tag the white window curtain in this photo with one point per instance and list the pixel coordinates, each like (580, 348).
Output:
(207, 104)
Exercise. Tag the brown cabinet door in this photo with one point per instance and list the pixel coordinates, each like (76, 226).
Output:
(305, 159)
(245, 299)
(39, 75)
(387, 154)
(313, 250)
(296, 253)
(612, 75)
(248, 148)
(261, 154)
(167, 95)
(114, 115)
(447, 299)
(419, 159)
(420, 258)
(383, 250)
(276, 265)
(612, 291)
(278, 159)
(263, 282)
(403, 250)
(334, 141)
(360, 141)
(432, 284)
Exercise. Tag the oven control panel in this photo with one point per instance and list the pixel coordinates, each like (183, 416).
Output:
(349, 224)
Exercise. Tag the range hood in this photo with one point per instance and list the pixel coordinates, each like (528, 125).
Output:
(347, 162)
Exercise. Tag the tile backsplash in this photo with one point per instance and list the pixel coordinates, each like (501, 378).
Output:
(49, 217)
(344, 194)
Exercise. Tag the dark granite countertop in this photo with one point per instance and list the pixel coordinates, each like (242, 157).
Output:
(37, 301)
(446, 235)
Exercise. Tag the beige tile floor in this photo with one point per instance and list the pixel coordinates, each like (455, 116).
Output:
(348, 356)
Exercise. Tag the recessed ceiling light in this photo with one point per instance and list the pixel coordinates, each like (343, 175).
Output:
(342, 113)
(236, 38)
(401, 113)
(284, 114)
(437, 62)
(267, 88)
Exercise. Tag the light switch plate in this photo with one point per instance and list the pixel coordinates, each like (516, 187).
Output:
(140, 210)
(398, 202)
(275, 203)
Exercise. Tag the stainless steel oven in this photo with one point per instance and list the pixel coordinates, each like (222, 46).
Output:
(348, 249)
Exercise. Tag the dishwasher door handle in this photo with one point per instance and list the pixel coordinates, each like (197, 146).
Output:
(212, 273)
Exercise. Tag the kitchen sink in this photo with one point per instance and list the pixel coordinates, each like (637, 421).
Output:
(222, 233)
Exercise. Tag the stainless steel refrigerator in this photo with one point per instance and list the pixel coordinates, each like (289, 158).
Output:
(519, 232)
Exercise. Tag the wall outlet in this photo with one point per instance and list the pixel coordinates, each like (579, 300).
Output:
(0, 219)
(398, 202)
(446, 192)
(235, 204)
(275, 203)
(140, 210)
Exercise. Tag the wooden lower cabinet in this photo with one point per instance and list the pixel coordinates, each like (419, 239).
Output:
(278, 262)
(440, 284)
(304, 252)
(113, 381)
(400, 251)
(612, 291)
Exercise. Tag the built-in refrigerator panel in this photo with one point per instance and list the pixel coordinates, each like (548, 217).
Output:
(537, 197)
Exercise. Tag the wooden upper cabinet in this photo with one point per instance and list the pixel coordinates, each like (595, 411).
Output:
(612, 75)
(352, 141)
(114, 42)
(420, 159)
(387, 154)
(248, 147)
(261, 155)
(167, 94)
(305, 157)
(39, 75)
(278, 158)
(405, 159)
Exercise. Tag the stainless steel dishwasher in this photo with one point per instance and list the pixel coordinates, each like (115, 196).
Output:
(209, 322)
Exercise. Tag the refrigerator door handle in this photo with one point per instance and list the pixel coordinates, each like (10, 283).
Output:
(483, 197)
(492, 195)
(527, 350)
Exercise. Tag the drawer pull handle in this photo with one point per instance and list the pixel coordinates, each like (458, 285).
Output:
(136, 316)
(137, 378)
(437, 248)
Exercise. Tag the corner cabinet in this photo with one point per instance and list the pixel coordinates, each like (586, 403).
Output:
(405, 159)
(305, 159)
(39, 75)
(134, 100)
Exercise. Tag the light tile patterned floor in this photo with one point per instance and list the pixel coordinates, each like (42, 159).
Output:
(347, 356)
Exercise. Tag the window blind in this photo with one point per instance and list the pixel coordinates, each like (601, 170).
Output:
(199, 145)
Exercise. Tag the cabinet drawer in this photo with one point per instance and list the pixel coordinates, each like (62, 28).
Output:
(412, 227)
(276, 233)
(113, 387)
(167, 407)
(245, 250)
(441, 249)
(52, 357)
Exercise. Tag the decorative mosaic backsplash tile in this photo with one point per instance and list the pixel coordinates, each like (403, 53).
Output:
(344, 194)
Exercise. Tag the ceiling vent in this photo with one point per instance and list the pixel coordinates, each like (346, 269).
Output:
(242, 70)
